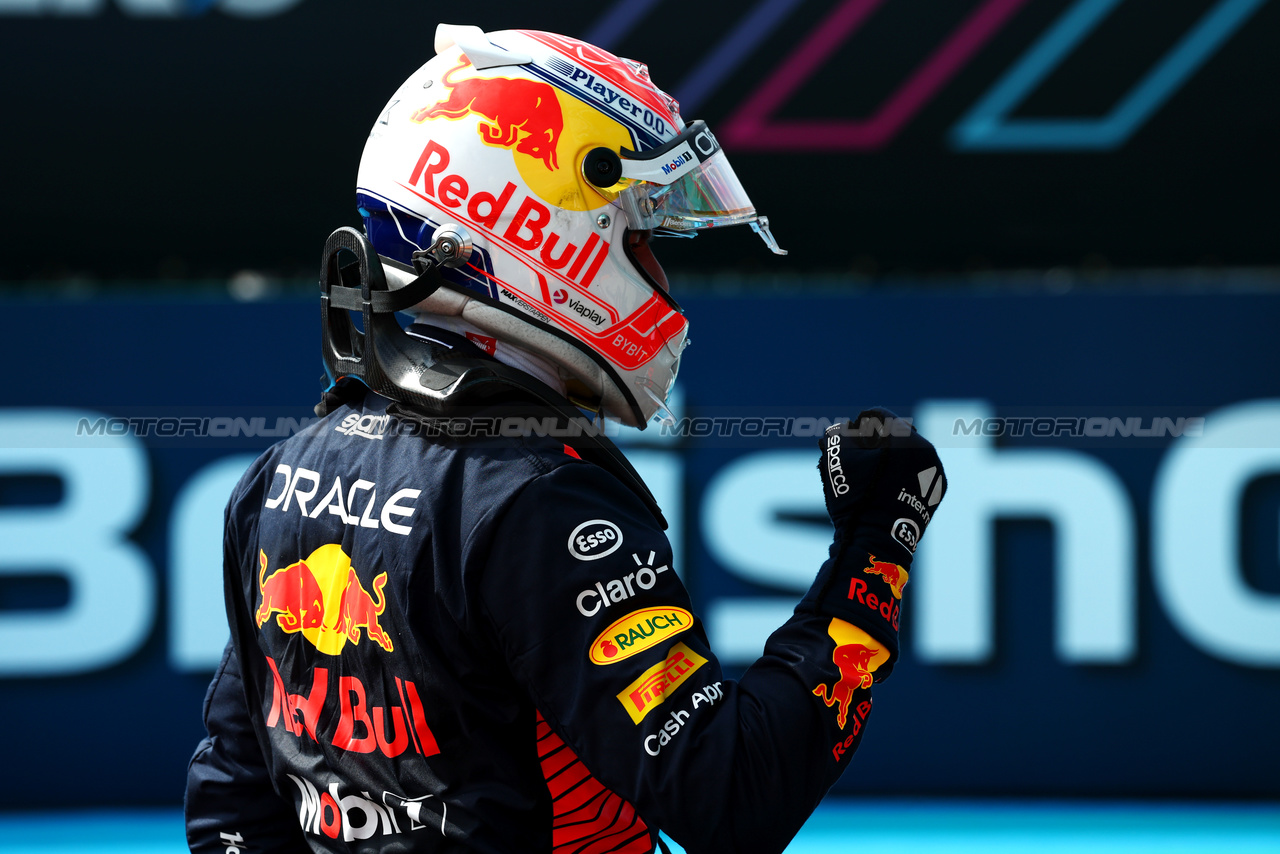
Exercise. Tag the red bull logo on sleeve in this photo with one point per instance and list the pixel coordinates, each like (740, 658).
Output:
(857, 656)
(893, 574)
(322, 598)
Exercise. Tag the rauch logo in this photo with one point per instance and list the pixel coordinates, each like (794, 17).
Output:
(638, 631)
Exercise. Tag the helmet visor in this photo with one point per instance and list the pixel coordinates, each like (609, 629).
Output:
(685, 187)
(706, 197)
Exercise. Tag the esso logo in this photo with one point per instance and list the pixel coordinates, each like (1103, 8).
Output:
(907, 532)
(595, 539)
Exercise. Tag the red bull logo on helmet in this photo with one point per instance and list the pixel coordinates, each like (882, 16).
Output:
(857, 656)
(523, 114)
(322, 598)
(529, 234)
(546, 129)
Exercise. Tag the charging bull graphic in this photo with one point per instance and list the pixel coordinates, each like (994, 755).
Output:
(322, 598)
(894, 575)
(523, 114)
(359, 610)
(293, 593)
(857, 656)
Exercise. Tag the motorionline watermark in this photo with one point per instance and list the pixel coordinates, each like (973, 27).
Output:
(178, 427)
(782, 427)
(1076, 427)
(377, 426)
(516, 426)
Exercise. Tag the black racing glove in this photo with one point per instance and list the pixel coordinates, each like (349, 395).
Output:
(883, 482)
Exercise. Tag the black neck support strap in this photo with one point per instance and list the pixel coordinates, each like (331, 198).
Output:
(430, 380)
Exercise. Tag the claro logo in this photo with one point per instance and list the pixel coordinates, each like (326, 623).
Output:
(595, 539)
(148, 8)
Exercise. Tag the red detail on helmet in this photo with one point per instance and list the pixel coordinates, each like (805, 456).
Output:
(595, 266)
(592, 240)
(631, 77)
(571, 452)
(523, 115)
(530, 218)
(484, 342)
(529, 229)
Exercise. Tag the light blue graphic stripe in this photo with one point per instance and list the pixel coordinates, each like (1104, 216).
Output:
(730, 53)
(840, 826)
(1184, 60)
(97, 832)
(984, 120)
(985, 127)
(614, 25)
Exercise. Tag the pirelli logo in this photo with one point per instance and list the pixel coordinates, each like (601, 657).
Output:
(640, 697)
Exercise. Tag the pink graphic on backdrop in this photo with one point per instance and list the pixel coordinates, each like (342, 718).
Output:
(752, 127)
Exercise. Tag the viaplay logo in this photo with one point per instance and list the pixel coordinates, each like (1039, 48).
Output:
(322, 598)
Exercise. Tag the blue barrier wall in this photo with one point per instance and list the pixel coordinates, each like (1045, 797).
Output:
(1095, 612)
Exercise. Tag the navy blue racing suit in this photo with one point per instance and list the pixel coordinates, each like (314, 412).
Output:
(481, 644)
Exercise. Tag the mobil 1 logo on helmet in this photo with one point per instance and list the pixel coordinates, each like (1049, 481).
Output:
(595, 539)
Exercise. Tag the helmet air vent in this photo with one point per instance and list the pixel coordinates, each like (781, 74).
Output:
(475, 45)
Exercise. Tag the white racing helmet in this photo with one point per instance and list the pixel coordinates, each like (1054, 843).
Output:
(555, 161)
